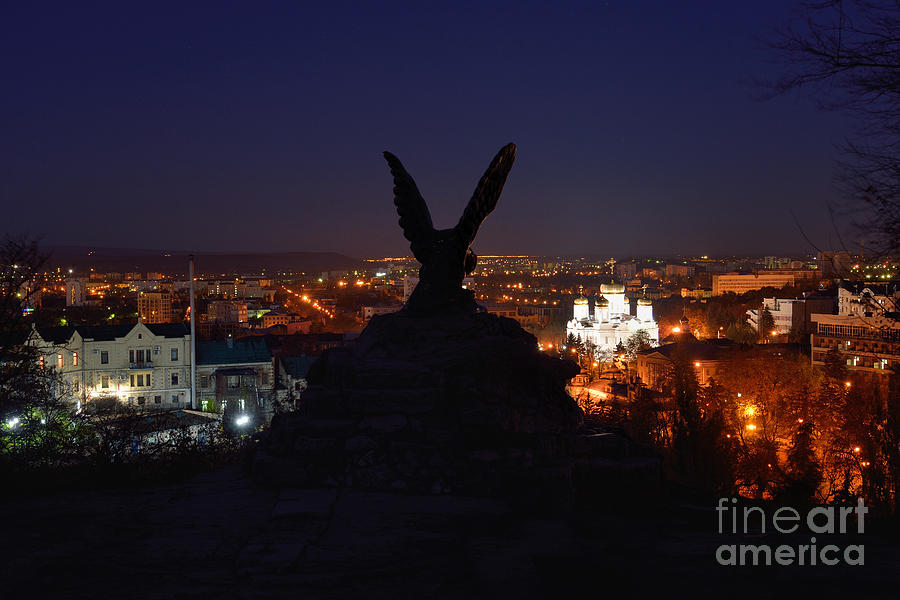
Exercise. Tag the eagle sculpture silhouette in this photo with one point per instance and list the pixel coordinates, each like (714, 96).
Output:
(445, 254)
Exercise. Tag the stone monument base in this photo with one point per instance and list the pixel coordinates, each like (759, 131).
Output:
(461, 404)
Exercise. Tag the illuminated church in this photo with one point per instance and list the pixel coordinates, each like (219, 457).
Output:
(612, 322)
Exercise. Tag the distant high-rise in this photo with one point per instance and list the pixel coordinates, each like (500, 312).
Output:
(834, 264)
(739, 284)
(626, 270)
(228, 312)
(75, 292)
(155, 307)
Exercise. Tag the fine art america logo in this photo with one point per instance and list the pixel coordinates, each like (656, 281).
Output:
(821, 520)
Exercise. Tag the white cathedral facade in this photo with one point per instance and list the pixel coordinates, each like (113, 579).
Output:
(611, 322)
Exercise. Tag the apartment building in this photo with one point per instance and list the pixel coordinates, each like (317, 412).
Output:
(739, 284)
(155, 307)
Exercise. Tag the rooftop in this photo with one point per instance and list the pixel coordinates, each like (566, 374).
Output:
(246, 350)
(103, 333)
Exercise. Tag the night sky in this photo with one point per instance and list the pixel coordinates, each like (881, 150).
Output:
(259, 126)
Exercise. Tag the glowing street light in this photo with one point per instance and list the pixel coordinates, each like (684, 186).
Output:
(242, 420)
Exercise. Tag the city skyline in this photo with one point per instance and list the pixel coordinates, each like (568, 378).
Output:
(258, 131)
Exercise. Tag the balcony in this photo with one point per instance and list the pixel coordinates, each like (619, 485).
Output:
(141, 365)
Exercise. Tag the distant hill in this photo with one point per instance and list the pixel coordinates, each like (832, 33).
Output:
(84, 258)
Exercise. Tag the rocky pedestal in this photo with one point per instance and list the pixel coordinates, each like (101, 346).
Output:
(461, 404)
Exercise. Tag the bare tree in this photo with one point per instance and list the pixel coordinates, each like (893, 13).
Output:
(20, 266)
(846, 53)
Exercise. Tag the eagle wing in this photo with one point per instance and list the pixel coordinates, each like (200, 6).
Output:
(414, 216)
(487, 193)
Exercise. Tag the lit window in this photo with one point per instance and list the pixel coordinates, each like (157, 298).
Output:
(59, 361)
(104, 382)
(74, 359)
(41, 361)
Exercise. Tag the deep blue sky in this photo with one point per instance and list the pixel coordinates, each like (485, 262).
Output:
(260, 126)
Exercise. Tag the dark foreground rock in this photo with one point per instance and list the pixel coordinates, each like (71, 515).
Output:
(461, 404)
(220, 536)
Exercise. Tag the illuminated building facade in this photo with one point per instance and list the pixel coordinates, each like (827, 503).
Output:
(791, 313)
(144, 365)
(611, 323)
(738, 284)
(155, 307)
(866, 299)
(867, 344)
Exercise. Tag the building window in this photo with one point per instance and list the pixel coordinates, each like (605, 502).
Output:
(131, 377)
(265, 377)
(75, 385)
(174, 354)
(104, 382)
(104, 357)
(174, 378)
(141, 399)
(59, 361)
(174, 398)
(74, 359)
(204, 381)
(41, 361)
(157, 399)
